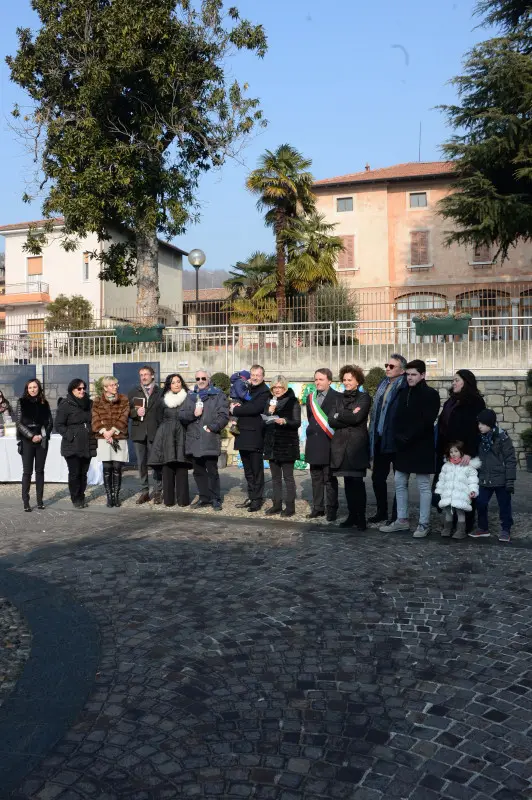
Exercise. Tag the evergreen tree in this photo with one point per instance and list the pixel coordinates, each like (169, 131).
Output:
(492, 146)
(131, 104)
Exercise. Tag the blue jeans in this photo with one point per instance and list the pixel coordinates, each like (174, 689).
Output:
(425, 496)
(504, 499)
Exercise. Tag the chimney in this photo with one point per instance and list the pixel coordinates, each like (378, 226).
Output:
(367, 167)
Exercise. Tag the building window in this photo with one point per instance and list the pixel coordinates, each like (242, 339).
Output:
(482, 254)
(418, 200)
(346, 259)
(344, 204)
(419, 248)
(86, 258)
(35, 265)
(490, 310)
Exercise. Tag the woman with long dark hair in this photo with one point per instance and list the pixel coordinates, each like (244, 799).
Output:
(78, 445)
(168, 448)
(458, 422)
(350, 444)
(34, 428)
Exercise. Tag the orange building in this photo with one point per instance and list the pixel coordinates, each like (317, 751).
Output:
(396, 260)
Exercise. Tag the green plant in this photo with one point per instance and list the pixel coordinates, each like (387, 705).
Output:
(69, 314)
(529, 380)
(98, 386)
(221, 381)
(528, 406)
(373, 377)
(526, 438)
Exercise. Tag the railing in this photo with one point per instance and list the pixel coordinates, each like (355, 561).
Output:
(492, 346)
(29, 287)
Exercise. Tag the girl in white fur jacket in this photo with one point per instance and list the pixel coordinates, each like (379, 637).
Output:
(457, 486)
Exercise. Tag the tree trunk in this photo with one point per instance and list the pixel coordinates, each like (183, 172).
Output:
(147, 278)
(280, 291)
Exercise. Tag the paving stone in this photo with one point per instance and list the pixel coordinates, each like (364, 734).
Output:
(244, 660)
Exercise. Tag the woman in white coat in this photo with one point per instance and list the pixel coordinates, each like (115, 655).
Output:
(457, 486)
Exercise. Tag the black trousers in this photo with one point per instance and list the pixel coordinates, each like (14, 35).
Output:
(355, 495)
(205, 471)
(253, 463)
(33, 455)
(175, 484)
(280, 470)
(379, 478)
(324, 489)
(78, 468)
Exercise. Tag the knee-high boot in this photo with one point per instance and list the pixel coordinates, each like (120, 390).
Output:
(117, 484)
(108, 484)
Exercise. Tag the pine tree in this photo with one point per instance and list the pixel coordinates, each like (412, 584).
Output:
(492, 146)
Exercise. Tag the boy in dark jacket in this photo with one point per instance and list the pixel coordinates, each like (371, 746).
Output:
(239, 391)
(496, 474)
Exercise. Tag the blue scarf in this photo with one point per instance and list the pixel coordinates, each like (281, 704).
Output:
(486, 441)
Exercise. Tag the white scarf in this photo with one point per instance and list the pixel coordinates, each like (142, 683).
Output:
(174, 399)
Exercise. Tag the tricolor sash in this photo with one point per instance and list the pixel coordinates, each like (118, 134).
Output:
(320, 416)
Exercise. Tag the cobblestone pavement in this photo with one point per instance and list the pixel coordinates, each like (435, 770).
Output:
(247, 659)
(15, 645)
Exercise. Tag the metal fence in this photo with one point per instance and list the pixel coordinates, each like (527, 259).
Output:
(492, 346)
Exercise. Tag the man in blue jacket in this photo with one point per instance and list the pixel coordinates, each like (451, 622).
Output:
(382, 433)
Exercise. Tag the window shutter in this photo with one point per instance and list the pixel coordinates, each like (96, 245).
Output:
(419, 248)
(35, 265)
(346, 259)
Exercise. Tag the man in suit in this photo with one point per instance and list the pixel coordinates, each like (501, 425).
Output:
(143, 428)
(320, 404)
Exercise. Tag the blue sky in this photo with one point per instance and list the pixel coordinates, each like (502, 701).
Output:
(333, 84)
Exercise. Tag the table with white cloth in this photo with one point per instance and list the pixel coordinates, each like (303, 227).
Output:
(55, 470)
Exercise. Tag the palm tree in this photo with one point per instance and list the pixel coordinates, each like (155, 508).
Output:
(313, 251)
(284, 185)
(252, 278)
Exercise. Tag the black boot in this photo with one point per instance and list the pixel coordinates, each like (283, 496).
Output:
(26, 483)
(289, 509)
(117, 484)
(108, 484)
(39, 489)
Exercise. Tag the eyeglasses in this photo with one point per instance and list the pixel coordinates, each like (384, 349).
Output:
(391, 366)
(80, 389)
(200, 379)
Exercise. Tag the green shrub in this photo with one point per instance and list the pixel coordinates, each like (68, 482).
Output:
(373, 377)
(526, 438)
(528, 406)
(529, 379)
(221, 381)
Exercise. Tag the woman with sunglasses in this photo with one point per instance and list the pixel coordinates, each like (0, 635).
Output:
(78, 445)
(110, 417)
(34, 428)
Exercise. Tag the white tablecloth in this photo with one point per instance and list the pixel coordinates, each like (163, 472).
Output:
(55, 471)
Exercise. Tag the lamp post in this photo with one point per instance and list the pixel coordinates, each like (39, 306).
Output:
(197, 259)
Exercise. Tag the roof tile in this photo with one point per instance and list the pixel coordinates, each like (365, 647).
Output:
(414, 169)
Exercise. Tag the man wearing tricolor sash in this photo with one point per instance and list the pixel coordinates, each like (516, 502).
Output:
(320, 404)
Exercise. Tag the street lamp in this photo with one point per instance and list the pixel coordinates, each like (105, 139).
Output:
(197, 259)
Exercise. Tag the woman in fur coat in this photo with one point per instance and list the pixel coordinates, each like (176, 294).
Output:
(110, 417)
(457, 486)
(168, 448)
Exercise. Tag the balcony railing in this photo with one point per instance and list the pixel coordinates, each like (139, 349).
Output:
(30, 287)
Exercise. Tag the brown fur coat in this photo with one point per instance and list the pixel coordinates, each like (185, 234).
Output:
(110, 415)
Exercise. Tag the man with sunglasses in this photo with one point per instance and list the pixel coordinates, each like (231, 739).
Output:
(204, 414)
(382, 434)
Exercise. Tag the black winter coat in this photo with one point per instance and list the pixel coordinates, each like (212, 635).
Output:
(417, 409)
(281, 442)
(169, 443)
(318, 444)
(499, 464)
(32, 417)
(461, 425)
(199, 442)
(250, 423)
(350, 443)
(74, 423)
(144, 429)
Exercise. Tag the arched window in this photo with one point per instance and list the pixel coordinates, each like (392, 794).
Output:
(409, 305)
(490, 310)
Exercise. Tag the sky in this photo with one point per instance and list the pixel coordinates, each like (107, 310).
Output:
(346, 82)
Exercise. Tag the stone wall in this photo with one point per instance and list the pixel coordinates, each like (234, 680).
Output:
(507, 396)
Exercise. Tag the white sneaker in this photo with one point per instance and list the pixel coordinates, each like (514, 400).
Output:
(421, 531)
(393, 527)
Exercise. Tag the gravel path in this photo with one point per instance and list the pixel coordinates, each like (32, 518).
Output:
(15, 646)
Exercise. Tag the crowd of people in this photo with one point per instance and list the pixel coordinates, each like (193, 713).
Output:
(460, 456)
